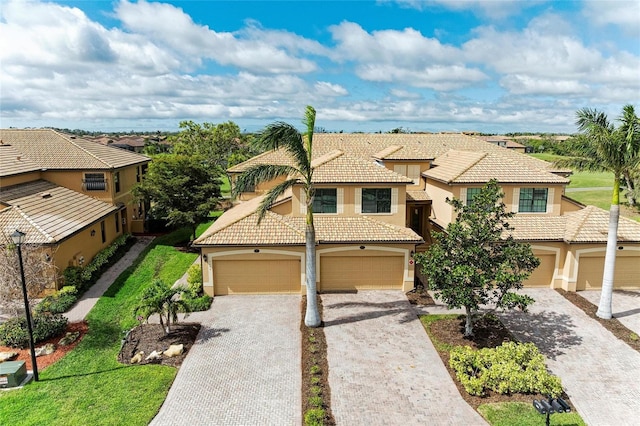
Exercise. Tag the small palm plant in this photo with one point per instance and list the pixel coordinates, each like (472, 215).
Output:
(164, 300)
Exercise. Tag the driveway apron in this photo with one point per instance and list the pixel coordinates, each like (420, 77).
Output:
(244, 368)
(600, 373)
(383, 369)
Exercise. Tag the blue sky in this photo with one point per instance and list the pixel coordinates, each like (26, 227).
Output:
(440, 65)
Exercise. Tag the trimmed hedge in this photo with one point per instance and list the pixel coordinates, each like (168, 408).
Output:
(197, 304)
(14, 332)
(509, 368)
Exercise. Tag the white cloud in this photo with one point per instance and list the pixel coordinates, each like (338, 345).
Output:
(324, 88)
(402, 56)
(494, 9)
(621, 13)
(404, 94)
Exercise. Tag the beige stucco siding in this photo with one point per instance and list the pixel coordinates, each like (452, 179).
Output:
(441, 212)
(347, 203)
(20, 178)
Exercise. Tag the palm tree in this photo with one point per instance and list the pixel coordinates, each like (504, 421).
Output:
(299, 146)
(603, 147)
(162, 299)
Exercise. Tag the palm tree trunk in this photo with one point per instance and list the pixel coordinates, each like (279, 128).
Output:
(630, 189)
(606, 295)
(312, 316)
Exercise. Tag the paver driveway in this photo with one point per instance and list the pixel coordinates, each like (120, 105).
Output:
(244, 368)
(383, 369)
(601, 374)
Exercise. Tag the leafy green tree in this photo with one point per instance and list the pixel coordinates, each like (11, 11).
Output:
(476, 261)
(160, 298)
(603, 147)
(182, 189)
(299, 146)
(213, 142)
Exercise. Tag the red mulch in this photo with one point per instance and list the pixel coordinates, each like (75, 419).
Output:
(46, 360)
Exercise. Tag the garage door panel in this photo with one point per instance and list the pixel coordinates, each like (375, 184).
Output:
(590, 270)
(361, 273)
(543, 274)
(256, 276)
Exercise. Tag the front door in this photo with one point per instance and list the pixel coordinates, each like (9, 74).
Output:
(417, 222)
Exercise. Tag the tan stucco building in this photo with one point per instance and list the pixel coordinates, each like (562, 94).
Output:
(70, 195)
(380, 196)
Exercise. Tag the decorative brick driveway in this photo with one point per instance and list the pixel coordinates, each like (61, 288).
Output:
(383, 369)
(245, 367)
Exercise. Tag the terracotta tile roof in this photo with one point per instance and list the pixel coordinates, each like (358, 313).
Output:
(343, 168)
(417, 196)
(589, 225)
(53, 150)
(238, 226)
(417, 147)
(479, 167)
(57, 212)
(12, 218)
(13, 162)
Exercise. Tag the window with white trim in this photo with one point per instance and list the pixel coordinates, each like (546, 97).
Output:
(471, 193)
(325, 200)
(533, 200)
(376, 200)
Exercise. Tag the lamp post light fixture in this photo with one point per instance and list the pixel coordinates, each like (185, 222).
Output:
(18, 239)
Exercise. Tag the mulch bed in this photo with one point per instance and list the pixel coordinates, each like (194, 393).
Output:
(151, 337)
(420, 298)
(46, 360)
(489, 333)
(314, 352)
(613, 325)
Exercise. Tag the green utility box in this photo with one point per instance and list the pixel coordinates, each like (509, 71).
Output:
(12, 373)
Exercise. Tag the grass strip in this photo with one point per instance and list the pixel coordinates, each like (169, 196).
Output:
(89, 386)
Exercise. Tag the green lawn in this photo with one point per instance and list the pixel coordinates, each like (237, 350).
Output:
(546, 156)
(521, 414)
(89, 386)
(225, 187)
(591, 180)
(600, 199)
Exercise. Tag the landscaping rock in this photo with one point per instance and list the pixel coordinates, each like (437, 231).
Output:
(69, 338)
(154, 355)
(137, 357)
(47, 349)
(174, 350)
(7, 356)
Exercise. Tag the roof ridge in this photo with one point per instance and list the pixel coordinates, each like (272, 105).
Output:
(32, 223)
(326, 158)
(72, 142)
(280, 218)
(369, 163)
(391, 149)
(262, 154)
(482, 156)
(584, 215)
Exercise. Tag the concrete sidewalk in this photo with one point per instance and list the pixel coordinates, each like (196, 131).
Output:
(244, 368)
(625, 306)
(600, 373)
(88, 300)
(383, 369)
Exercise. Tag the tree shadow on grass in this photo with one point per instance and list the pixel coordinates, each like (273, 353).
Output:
(374, 310)
(551, 332)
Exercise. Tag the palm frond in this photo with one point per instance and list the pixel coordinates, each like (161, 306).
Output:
(283, 135)
(273, 194)
(260, 173)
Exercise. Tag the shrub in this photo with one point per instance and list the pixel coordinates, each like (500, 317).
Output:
(314, 417)
(59, 302)
(315, 401)
(316, 390)
(509, 368)
(14, 332)
(315, 369)
(197, 304)
(72, 276)
(194, 280)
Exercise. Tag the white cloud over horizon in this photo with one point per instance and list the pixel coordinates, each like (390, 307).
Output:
(153, 64)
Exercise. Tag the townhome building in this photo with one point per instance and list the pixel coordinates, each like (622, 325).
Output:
(68, 195)
(378, 199)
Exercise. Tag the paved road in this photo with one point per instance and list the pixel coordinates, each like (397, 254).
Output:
(244, 368)
(600, 373)
(383, 369)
